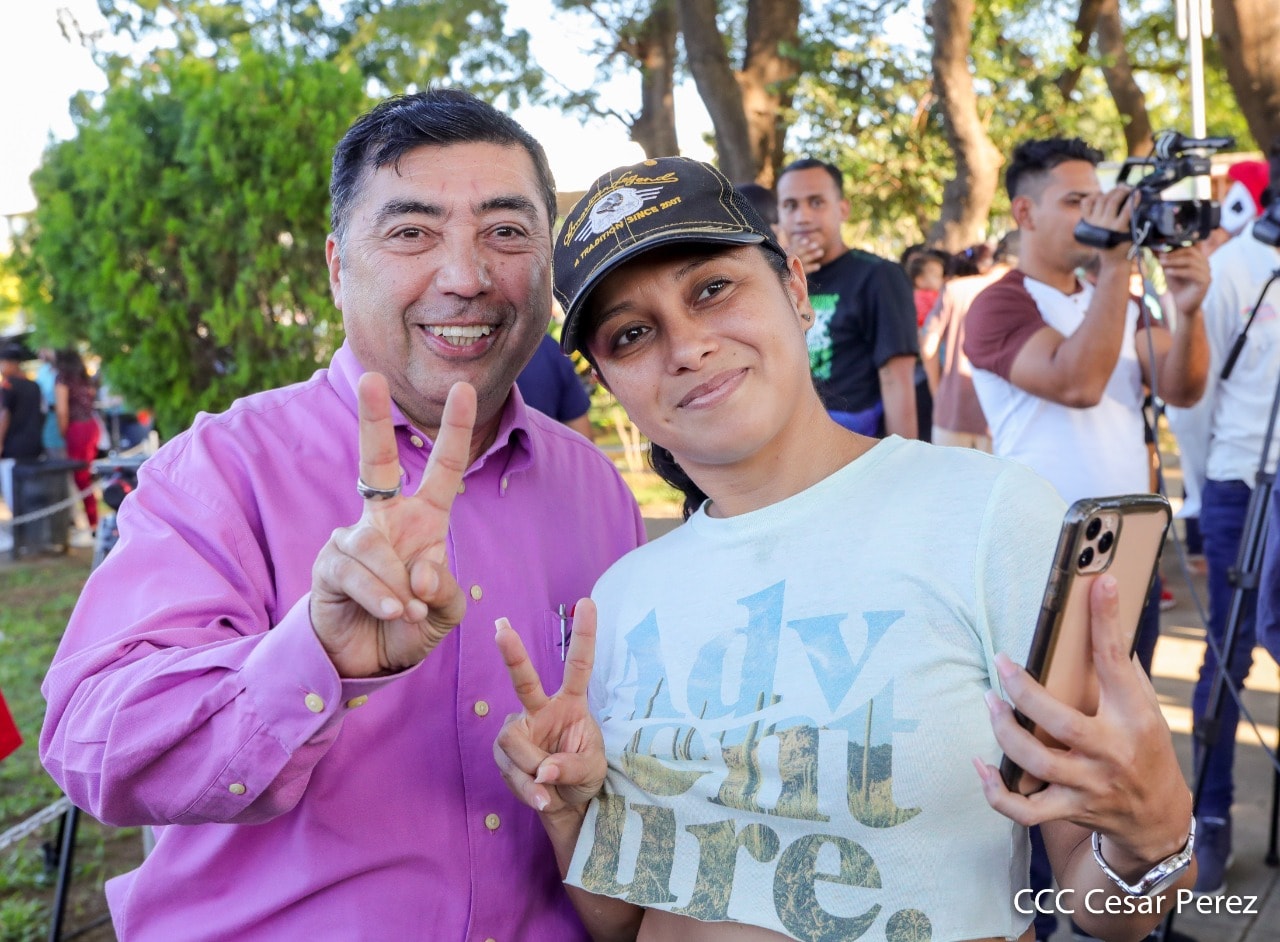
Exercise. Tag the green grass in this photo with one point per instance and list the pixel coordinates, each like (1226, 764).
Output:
(38, 596)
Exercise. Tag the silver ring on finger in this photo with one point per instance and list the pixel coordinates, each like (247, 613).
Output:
(369, 492)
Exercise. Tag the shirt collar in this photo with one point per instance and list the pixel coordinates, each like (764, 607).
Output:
(513, 424)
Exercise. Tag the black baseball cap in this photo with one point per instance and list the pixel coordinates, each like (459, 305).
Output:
(631, 210)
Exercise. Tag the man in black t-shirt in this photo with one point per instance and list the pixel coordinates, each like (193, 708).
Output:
(863, 346)
(21, 418)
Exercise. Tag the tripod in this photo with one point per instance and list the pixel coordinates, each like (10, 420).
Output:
(1243, 578)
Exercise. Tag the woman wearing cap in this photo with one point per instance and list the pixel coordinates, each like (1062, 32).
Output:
(792, 691)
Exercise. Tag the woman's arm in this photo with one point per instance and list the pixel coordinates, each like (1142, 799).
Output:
(62, 406)
(552, 758)
(1117, 775)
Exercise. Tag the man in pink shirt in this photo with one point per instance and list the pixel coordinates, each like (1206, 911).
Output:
(293, 678)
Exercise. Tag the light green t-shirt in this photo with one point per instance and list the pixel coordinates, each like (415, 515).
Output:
(791, 699)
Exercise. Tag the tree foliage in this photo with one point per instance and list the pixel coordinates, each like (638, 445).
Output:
(867, 102)
(181, 232)
(399, 45)
(632, 36)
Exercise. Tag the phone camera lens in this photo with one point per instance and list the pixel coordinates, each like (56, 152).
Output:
(1093, 529)
(1086, 557)
(1104, 544)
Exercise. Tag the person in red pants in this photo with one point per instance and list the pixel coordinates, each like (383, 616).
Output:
(74, 396)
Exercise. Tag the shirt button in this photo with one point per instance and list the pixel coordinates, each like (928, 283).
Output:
(236, 788)
(491, 821)
(462, 487)
(481, 708)
(476, 592)
(415, 441)
(314, 703)
(505, 480)
(357, 702)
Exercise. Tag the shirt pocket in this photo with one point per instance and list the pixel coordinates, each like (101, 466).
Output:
(552, 644)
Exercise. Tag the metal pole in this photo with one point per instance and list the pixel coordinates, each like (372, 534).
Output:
(66, 864)
(1195, 24)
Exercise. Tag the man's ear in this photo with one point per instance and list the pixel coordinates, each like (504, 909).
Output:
(333, 259)
(1020, 207)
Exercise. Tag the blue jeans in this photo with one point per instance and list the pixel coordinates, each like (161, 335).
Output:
(1224, 506)
(1148, 634)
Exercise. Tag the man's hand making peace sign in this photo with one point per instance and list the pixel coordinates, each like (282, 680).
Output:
(382, 595)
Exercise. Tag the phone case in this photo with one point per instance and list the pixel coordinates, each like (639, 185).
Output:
(1120, 535)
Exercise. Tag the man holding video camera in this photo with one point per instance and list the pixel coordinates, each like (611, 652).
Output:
(1225, 432)
(1060, 365)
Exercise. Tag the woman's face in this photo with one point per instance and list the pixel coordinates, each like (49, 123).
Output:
(704, 347)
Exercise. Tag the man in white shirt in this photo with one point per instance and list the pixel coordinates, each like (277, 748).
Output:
(1221, 440)
(1060, 365)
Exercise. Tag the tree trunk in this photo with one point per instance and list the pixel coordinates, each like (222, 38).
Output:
(1086, 23)
(966, 199)
(654, 128)
(1116, 69)
(704, 48)
(746, 106)
(1249, 39)
(767, 80)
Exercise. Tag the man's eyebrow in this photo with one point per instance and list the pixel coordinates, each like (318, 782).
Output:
(393, 209)
(513, 203)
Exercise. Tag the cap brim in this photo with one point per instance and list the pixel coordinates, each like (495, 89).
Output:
(572, 316)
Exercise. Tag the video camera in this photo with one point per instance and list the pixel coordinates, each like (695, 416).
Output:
(1267, 229)
(1159, 223)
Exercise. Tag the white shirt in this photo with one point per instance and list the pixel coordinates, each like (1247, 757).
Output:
(1220, 438)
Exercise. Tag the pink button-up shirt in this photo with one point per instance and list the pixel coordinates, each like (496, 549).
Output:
(190, 690)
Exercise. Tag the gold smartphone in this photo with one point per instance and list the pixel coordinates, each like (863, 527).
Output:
(1119, 535)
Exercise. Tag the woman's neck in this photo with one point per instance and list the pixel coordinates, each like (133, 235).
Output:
(807, 451)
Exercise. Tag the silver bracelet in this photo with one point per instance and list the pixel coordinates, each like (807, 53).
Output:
(1160, 877)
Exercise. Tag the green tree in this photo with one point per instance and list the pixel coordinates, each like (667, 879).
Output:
(9, 293)
(181, 232)
(398, 45)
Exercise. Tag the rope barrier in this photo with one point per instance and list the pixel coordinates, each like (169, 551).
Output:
(35, 822)
(139, 449)
(47, 511)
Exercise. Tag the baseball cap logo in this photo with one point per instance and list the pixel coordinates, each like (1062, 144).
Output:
(614, 206)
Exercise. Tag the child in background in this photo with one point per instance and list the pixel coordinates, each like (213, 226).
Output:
(927, 271)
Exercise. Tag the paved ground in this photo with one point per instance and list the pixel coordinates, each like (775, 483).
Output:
(1176, 667)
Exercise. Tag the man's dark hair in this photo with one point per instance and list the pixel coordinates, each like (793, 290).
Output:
(1033, 159)
(762, 199)
(813, 163)
(433, 118)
